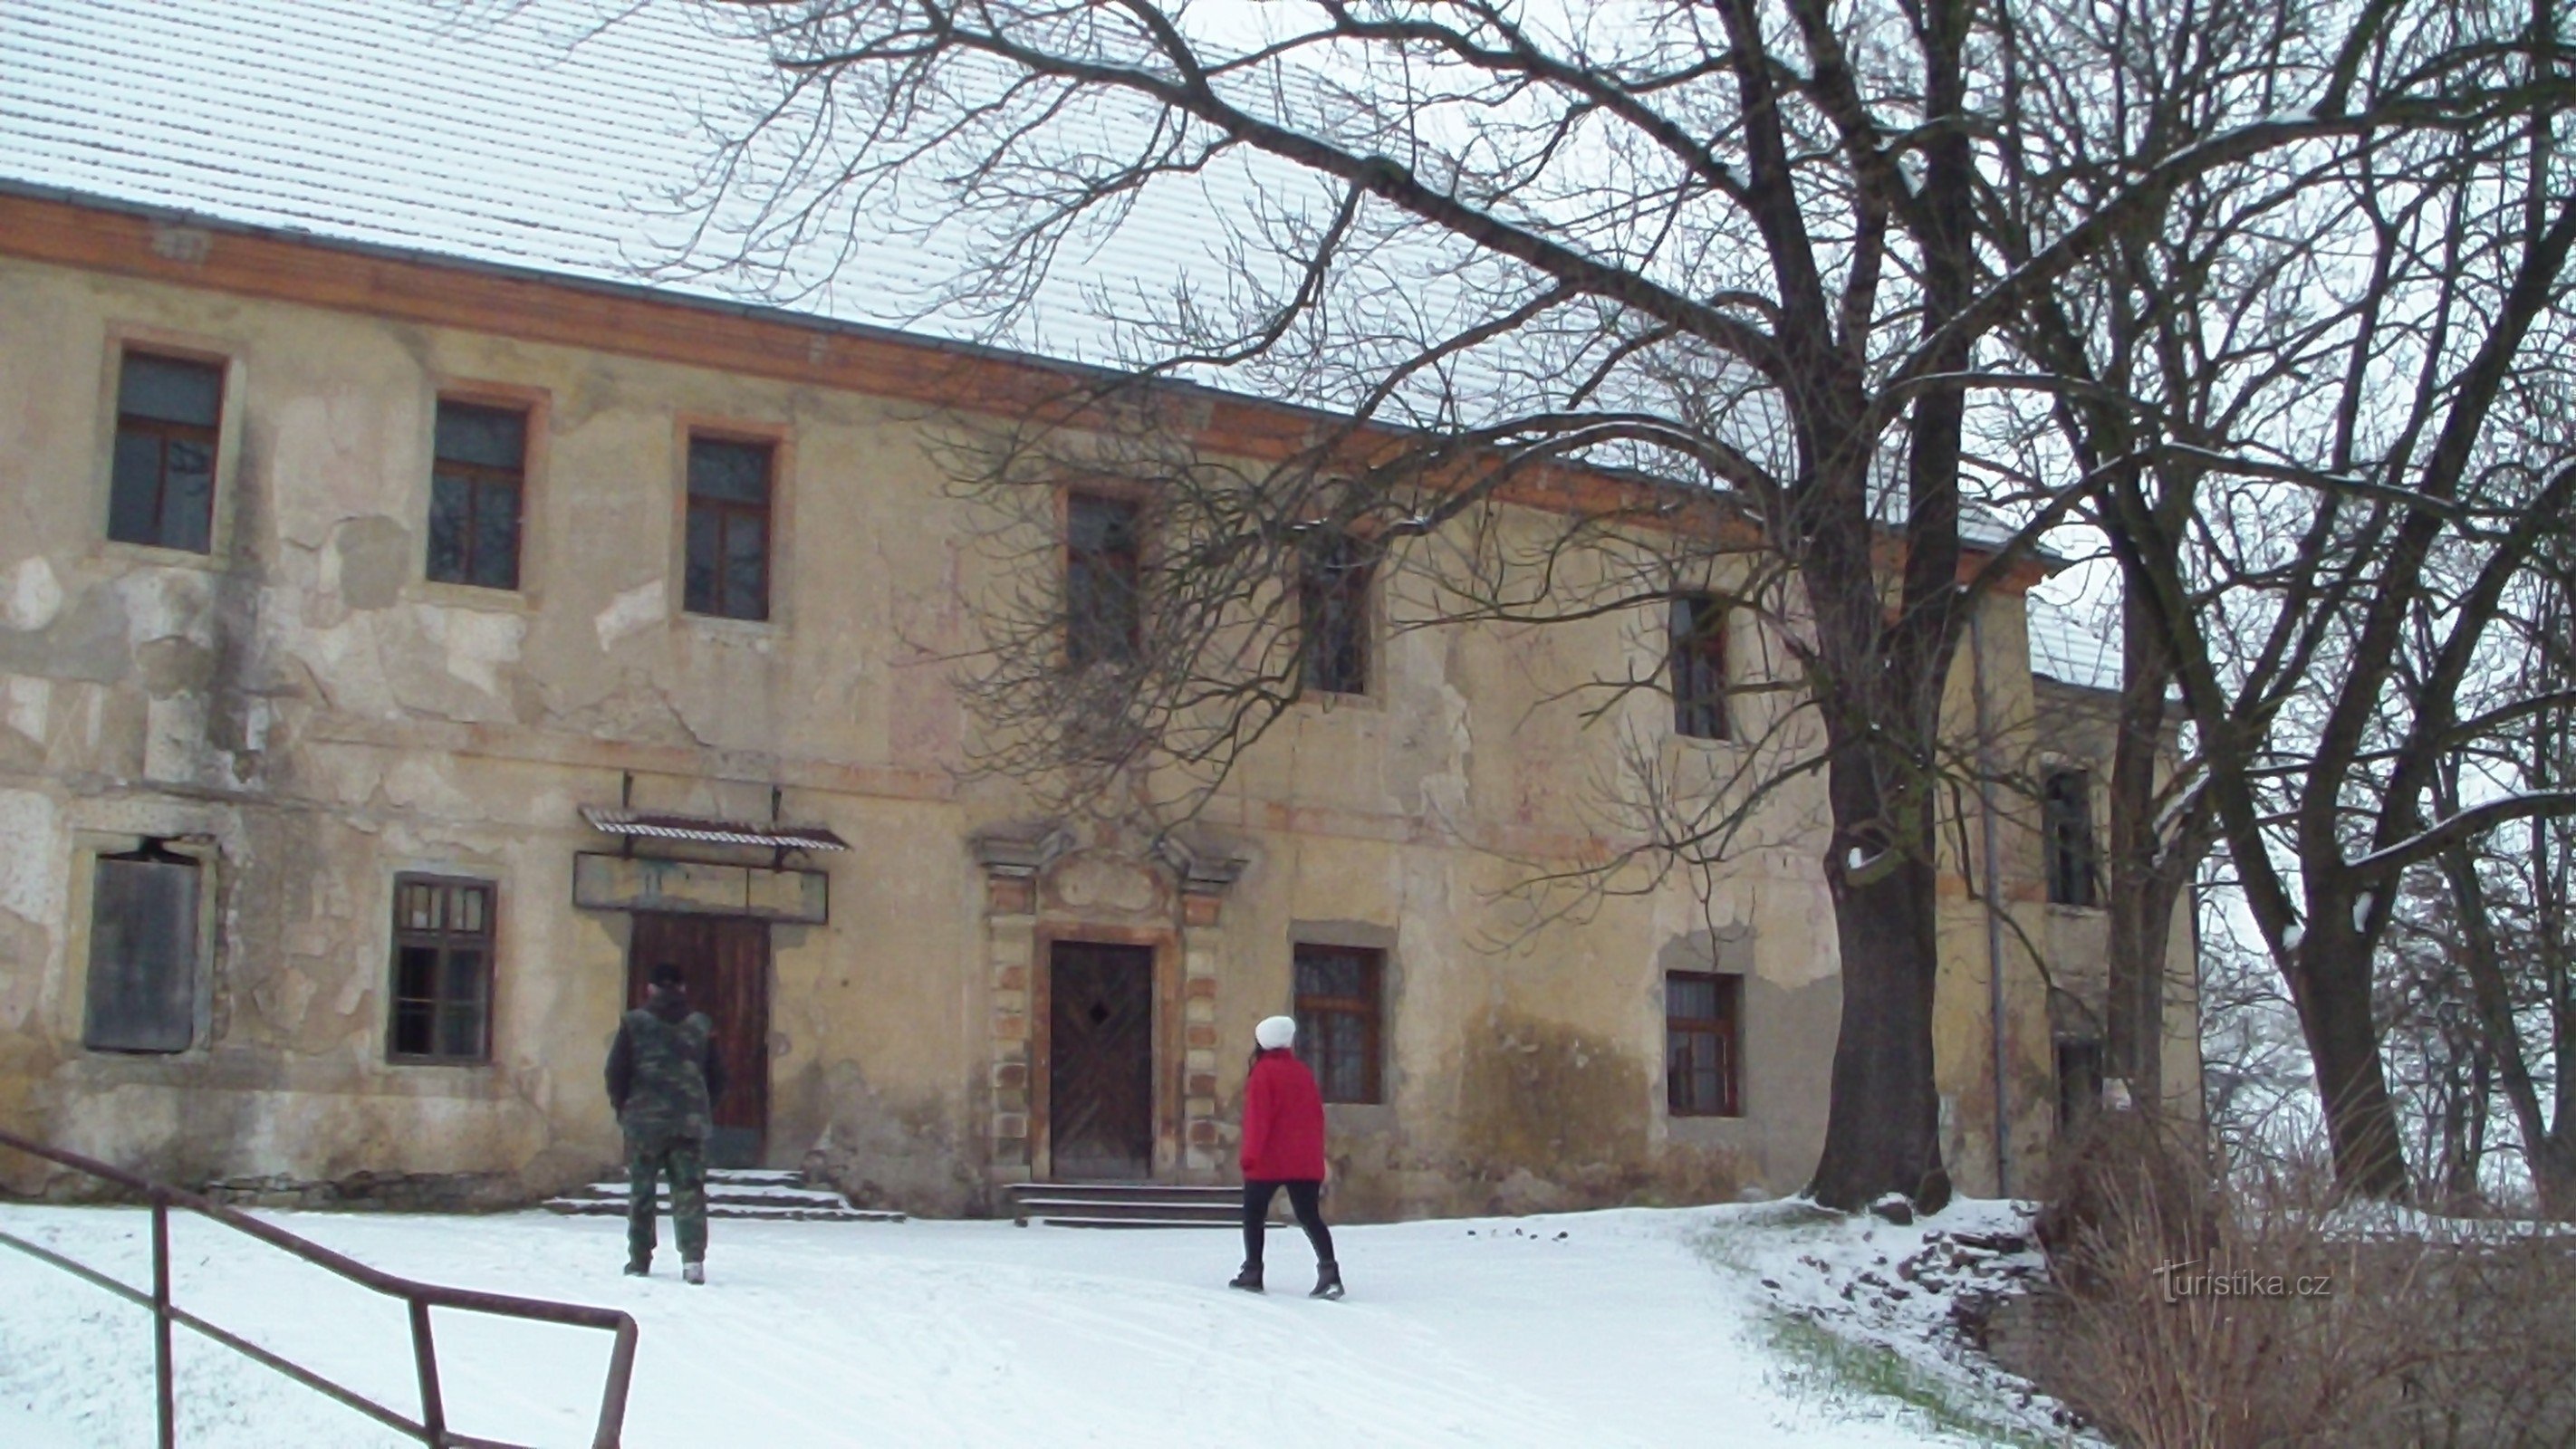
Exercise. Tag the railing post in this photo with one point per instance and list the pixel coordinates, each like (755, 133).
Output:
(166, 1404)
(612, 1402)
(424, 1355)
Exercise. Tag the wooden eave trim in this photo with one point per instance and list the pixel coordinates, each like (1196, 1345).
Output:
(568, 312)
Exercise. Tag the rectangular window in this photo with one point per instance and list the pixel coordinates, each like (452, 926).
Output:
(728, 564)
(142, 952)
(2066, 813)
(478, 476)
(1703, 1067)
(1340, 991)
(2079, 1081)
(1103, 591)
(1333, 619)
(161, 487)
(442, 970)
(1698, 630)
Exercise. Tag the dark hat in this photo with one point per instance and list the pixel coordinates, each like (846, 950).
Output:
(668, 974)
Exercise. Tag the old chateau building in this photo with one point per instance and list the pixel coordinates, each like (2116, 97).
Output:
(408, 634)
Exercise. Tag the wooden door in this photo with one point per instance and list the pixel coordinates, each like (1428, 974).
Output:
(726, 962)
(1100, 1062)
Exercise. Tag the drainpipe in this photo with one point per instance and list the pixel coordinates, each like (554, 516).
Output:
(1993, 892)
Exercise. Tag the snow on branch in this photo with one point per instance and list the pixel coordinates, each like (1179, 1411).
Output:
(2467, 824)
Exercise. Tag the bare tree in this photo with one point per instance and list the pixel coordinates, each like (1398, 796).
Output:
(1726, 256)
(2338, 358)
(2484, 966)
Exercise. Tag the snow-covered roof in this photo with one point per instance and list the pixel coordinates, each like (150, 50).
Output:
(553, 135)
(2077, 644)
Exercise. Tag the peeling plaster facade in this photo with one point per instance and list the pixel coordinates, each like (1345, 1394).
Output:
(305, 713)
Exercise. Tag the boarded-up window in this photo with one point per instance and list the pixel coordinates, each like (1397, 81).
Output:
(1698, 633)
(2066, 810)
(728, 563)
(1703, 1067)
(1340, 991)
(1104, 601)
(1333, 619)
(475, 488)
(142, 953)
(442, 970)
(161, 487)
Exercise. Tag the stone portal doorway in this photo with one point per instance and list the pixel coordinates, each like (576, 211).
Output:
(726, 961)
(1100, 1062)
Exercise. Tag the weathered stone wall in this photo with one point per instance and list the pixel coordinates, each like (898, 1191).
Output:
(305, 710)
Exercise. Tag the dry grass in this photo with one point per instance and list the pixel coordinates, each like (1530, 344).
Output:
(2195, 1314)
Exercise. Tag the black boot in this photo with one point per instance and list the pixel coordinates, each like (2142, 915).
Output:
(1328, 1280)
(639, 1267)
(1249, 1280)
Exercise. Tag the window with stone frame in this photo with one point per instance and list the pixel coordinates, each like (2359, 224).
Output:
(1703, 1044)
(729, 528)
(1103, 579)
(477, 488)
(144, 957)
(1340, 1016)
(442, 970)
(1333, 618)
(2066, 814)
(161, 481)
(1697, 632)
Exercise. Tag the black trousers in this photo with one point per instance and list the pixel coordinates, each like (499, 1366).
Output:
(1302, 1199)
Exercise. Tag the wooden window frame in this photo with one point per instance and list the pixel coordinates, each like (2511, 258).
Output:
(1727, 1028)
(1334, 621)
(1696, 627)
(441, 939)
(1128, 564)
(726, 512)
(165, 432)
(1369, 1007)
(2068, 849)
(479, 476)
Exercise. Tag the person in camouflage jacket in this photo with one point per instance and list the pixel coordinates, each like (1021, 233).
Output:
(664, 1078)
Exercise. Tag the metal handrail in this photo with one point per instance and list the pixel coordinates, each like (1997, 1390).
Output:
(431, 1427)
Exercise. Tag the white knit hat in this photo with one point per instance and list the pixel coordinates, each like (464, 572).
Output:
(1275, 1032)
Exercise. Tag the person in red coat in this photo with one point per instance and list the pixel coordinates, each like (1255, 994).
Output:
(1283, 1146)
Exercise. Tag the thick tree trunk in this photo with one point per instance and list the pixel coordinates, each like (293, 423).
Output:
(2333, 998)
(2553, 1172)
(2143, 885)
(1882, 1134)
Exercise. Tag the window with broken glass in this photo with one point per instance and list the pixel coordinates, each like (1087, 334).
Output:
(477, 483)
(442, 970)
(161, 487)
(1340, 995)
(729, 529)
(1333, 618)
(143, 952)
(1103, 590)
(2066, 811)
(1698, 642)
(1702, 1074)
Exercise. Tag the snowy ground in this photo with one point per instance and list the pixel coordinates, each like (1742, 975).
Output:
(1611, 1328)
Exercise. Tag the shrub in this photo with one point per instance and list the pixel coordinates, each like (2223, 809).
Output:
(2192, 1311)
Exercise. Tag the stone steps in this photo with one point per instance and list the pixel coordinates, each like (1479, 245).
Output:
(733, 1194)
(1127, 1205)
